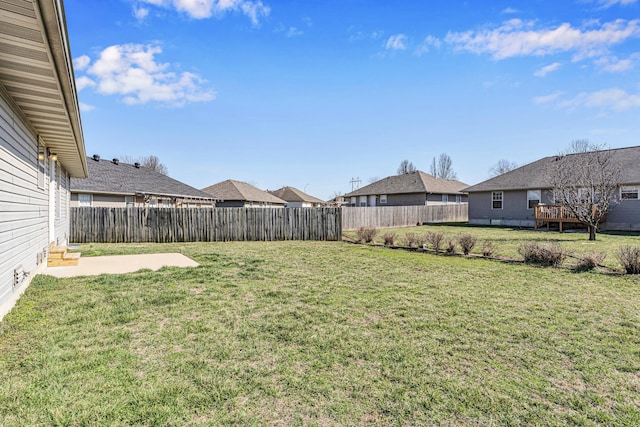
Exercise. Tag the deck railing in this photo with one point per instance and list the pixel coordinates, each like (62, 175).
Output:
(546, 214)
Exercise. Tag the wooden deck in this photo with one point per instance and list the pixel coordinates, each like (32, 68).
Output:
(548, 214)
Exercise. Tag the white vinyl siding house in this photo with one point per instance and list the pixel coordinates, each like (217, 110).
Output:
(41, 143)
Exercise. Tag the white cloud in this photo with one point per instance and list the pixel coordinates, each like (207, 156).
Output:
(85, 108)
(294, 32)
(81, 62)
(519, 38)
(396, 42)
(131, 72)
(201, 9)
(358, 35)
(613, 64)
(509, 11)
(610, 3)
(545, 99)
(606, 100)
(427, 44)
(547, 69)
(84, 82)
(140, 12)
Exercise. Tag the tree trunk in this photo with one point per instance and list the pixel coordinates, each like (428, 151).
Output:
(592, 232)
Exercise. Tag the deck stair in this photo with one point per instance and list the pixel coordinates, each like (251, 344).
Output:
(59, 257)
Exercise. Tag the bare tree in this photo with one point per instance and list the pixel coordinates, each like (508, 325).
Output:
(373, 179)
(585, 182)
(152, 162)
(502, 166)
(406, 167)
(443, 168)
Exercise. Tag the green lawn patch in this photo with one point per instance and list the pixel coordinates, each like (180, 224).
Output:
(311, 333)
(506, 241)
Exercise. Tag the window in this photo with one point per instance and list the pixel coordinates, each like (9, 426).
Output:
(629, 193)
(533, 198)
(496, 200)
(129, 201)
(363, 201)
(383, 198)
(166, 203)
(353, 201)
(445, 198)
(41, 166)
(153, 203)
(85, 200)
(458, 198)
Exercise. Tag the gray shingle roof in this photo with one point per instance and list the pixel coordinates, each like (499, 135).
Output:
(292, 194)
(238, 190)
(107, 177)
(414, 182)
(537, 175)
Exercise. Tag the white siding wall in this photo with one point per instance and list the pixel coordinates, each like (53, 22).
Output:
(24, 207)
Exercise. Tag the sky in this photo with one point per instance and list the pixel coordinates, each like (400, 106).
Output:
(317, 94)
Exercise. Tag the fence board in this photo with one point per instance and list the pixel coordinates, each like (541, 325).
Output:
(166, 225)
(402, 216)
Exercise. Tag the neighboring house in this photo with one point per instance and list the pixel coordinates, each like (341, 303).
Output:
(411, 189)
(337, 202)
(296, 198)
(238, 194)
(41, 142)
(112, 183)
(509, 199)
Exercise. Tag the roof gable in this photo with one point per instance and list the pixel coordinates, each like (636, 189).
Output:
(238, 190)
(414, 182)
(537, 175)
(292, 194)
(36, 75)
(107, 176)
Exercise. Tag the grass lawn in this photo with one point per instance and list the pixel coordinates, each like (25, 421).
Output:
(308, 333)
(507, 240)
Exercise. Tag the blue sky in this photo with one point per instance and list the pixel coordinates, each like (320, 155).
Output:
(313, 94)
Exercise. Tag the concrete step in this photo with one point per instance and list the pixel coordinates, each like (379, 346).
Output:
(59, 257)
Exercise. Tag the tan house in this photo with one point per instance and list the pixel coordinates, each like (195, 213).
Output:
(296, 198)
(238, 194)
(112, 183)
(41, 141)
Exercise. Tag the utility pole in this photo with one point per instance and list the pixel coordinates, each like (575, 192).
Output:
(355, 183)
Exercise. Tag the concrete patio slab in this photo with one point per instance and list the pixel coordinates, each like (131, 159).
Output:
(119, 264)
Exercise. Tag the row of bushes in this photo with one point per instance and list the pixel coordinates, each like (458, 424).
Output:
(433, 239)
(545, 254)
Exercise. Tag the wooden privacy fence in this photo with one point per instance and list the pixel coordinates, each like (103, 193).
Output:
(402, 216)
(167, 225)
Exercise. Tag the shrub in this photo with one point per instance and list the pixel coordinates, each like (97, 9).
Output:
(366, 234)
(435, 239)
(488, 249)
(411, 239)
(629, 257)
(389, 238)
(467, 242)
(546, 254)
(451, 247)
(590, 261)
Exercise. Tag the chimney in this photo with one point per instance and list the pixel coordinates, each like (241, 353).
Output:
(96, 157)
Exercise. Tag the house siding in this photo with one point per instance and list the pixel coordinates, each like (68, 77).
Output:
(406, 199)
(436, 198)
(24, 208)
(625, 216)
(514, 210)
